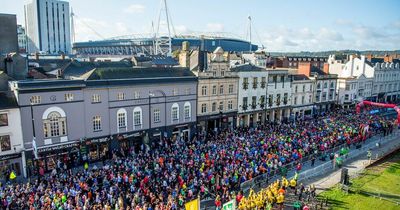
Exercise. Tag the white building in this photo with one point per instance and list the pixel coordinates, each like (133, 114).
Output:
(11, 141)
(21, 38)
(252, 90)
(302, 96)
(259, 58)
(47, 24)
(278, 95)
(362, 78)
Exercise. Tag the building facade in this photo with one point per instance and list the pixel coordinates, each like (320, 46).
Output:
(252, 90)
(11, 144)
(217, 94)
(47, 24)
(302, 96)
(21, 39)
(8, 34)
(278, 95)
(107, 110)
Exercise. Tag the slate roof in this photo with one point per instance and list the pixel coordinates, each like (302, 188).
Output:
(139, 73)
(317, 70)
(246, 67)
(77, 68)
(297, 77)
(7, 100)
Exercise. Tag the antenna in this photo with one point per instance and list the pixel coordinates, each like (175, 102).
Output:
(73, 25)
(249, 17)
(163, 44)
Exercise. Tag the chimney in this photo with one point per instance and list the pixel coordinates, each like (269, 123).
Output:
(369, 57)
(304, 68)
(184, 55)
(388, 58)
(326, 68)
(37, 56)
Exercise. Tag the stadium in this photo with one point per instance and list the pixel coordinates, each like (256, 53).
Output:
(134, 45)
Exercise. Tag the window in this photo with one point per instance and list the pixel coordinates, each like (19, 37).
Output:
(302, 99)
(323, 96)
(214, 90)
(222, 73)
(214, 107)
(3, 119)
(255, 82)
(332, 85)
(295, 100)
(325, 85)
(96, 123)
(174, 91)
(254, 102)
(245, 83)
(221, 106)
(204, 90)
(244, 103)
(156, 115)
(121, 118)
(36, 99)
(346, 97)
(285, 98)
(187, 91)
(347, 87)
(5, 143)
(230, 90)
(262, 101)
(278, 99)
(137, 116)
(319, 85)
(270, 100)
(230, 105)
(175, 111)
(187, 110)
(203, 108)
(121, 96)
(96, 98)
(263, 82)
(69, 97)
(309, 99)
(310, 87)
(54, 125)
(295, 88)
(136, 95)
(304, 88)
(221, 89)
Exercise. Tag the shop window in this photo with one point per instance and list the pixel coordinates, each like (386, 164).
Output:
(3, 119)
(5, 143)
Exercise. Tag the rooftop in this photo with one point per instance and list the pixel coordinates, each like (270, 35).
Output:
(7, 100)
(246, 67)
(298, 77)
(139, 73)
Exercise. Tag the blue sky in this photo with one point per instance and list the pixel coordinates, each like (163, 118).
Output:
(279, 25)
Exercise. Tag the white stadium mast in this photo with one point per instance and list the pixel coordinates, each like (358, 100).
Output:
(163, 44)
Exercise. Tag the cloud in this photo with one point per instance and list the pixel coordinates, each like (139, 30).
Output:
(367, 32)
(329, 34)
(181, 29)
(134, 8)
(285, 42)
(344, 22)
(214, 27)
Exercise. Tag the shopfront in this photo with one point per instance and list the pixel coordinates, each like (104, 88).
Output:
(67, 154)
(97, 149)
(10, 163)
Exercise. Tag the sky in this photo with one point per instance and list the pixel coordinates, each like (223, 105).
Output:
(278, 25)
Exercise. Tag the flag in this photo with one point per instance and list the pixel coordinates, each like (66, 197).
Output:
(193, 205)
(231, 205)
(12, 175)
(34, 148)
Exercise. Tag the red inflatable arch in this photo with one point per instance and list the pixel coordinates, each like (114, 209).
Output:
(394, 106)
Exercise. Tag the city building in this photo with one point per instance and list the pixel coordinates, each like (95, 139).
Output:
(325, 85)
(8, 34)
(292, 62)
(366, 78)
(279, 91)
(252, 90)
(217, 94)
(21, 39)
(302, 96)
(47, 25)
(11, 144)
(107, 109)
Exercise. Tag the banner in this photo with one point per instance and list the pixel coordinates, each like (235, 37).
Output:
(193, 205)
(231, 205)
(35, 152)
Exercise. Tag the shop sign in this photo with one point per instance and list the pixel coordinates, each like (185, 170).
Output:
(99, 140)
(58, 147)
(12, 156)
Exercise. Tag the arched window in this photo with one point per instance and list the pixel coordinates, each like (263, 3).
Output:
(137, 116)
(54, 122)
(121, 118)
(175, 112)
(187, 109)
